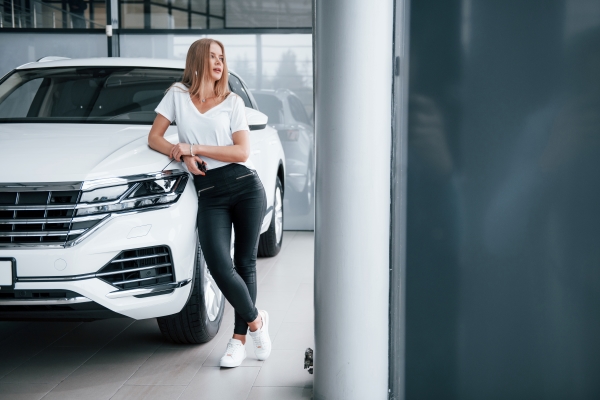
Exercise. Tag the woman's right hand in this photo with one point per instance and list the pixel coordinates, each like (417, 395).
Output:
(190, 162)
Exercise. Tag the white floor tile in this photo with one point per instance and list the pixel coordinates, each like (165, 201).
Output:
(127, 359)
(24, 391)
(221, 384)
(148, 393)
(280, 393)
(284, 368)
(171, 366)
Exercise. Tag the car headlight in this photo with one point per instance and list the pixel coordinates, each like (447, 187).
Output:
(132, 193)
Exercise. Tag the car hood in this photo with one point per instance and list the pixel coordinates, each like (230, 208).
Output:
(76, 152)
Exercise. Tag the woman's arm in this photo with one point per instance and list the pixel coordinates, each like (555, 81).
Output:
(157, 141)
(156, 137)
(238, 152)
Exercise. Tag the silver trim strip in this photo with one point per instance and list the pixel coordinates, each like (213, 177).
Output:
(120, 260)
(59, 220)
(32, 245)
(141, 279)
(92, 275)
(56, 278)
(124, 271)
(90, 217)
(41, 233)
(42, 187)
(148, 290)
(47, 302)
(5, 221)
(39, 207)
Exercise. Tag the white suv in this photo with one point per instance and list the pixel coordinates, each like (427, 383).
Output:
(94, 223)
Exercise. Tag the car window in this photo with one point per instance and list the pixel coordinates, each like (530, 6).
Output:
(235, 85)
(270, 105)
(85, 94)
(298, 111)
(19, 101)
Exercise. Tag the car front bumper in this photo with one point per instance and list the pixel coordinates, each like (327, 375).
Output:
(72, 269)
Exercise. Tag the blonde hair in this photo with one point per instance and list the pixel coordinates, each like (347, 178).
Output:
(197, 69)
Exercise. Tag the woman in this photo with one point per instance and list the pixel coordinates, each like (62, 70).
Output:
(213, 133)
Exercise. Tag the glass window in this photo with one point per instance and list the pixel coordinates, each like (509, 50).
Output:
(18, 103)
(269, 104)
(268, 14)
(56, 14)
(89, 94)
(199, 5)
(217, 7)
(160, 18)
(298, 111)
(132, 16)
(216, 23)
(235, 85)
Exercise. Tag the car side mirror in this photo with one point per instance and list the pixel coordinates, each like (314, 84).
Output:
(256, 119)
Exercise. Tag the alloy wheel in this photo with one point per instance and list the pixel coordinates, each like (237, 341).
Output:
(278, 215)
(212, 296)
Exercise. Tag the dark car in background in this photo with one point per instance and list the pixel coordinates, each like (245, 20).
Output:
(287, 114)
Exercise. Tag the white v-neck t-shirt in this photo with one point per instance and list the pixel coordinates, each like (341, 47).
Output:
(213, 128)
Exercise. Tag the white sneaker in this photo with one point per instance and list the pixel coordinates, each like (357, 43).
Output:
(262, 341)
(234, 355)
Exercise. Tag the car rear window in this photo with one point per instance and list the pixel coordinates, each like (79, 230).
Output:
(298, 111)
(85, 94)
(270, 105)
(235, 85)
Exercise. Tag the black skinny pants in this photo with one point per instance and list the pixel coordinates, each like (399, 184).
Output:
(228, 195)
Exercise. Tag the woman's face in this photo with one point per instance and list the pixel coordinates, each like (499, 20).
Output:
(216, 62)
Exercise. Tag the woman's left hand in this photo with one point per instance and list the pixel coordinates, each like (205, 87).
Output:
(179, 150)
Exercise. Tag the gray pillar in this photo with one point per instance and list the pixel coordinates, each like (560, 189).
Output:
(353, 101)
(398, 217)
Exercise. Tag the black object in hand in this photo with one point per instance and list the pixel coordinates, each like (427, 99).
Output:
(201, 166)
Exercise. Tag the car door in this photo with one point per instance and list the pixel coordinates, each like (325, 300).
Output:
(305, 141)
(259, 141)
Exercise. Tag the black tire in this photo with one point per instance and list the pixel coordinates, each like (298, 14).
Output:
(269, 244)
(192, 324)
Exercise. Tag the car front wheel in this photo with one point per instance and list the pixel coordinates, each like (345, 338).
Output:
(200, 318)
(270, 241)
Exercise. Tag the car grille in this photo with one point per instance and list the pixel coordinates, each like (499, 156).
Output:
(139, 268)
(41, 214)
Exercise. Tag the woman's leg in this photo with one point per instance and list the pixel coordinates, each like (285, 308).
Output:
(214, 231)
(247, 215)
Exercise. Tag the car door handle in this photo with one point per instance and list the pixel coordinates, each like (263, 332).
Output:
(256, 152)
(272, 142)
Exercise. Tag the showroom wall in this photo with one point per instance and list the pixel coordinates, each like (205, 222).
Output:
(21, 48)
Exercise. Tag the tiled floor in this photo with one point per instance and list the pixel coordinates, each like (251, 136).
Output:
(127, 359)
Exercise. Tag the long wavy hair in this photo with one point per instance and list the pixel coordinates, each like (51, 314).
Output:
(197, 69)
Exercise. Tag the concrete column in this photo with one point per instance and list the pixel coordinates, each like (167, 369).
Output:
(353, 101)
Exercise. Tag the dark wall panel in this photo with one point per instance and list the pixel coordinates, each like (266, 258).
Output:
(503, 211)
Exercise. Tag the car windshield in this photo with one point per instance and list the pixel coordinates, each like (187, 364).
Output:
(85, 94)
